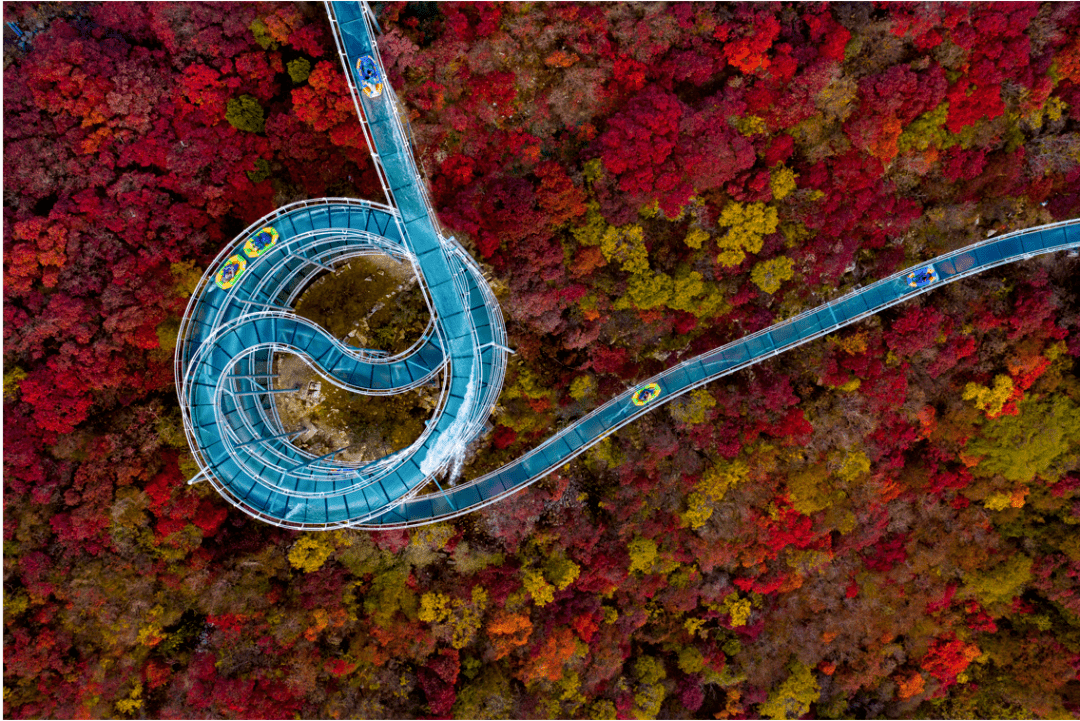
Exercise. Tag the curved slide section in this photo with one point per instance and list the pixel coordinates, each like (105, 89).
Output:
(733, 357)
(228, 417)
(311, 236)
(232, 331)
(472, 390)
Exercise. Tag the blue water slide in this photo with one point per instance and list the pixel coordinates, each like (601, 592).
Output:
(230, 338)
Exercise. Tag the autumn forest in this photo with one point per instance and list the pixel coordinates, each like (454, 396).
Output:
(882, 523)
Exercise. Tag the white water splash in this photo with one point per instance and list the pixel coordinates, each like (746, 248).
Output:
(451, 444)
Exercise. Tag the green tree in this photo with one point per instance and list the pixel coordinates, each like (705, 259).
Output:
(245, 113)
(693, 409)
(1039, 441)
(1001, 583)
(299, 70)
(582, 386)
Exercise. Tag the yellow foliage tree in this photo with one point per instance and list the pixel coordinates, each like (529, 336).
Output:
(626, 245)
(693, 409)
(925, 131)
(685, 291)
(1001, 583)
(689, 293)
(468, 619)
(990, 400)
(570, 688)
(642, 554)
(187, 276)
(537, 586)
(593, 171)
(738, 609)
(769, 274)
(711, 489)
(133, 702)
(749, 224)
(750, 125)
(650, 691)
(434, 536)
(12, 379)
(695, 238)
(311, 551)
(646, 291)
(1041, 441)
(607, 453)
(720, 478)
(808, 491)
(582, 386)
(850, 465)
(792, 698)
(434, 607)
(698, 510)
(691, 660)
(711, 304)
(561, 571)
(782, 182)
(594, 227)
(999, 501)
(461, 619)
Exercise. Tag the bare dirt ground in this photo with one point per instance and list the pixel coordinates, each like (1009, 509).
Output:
(372, 302)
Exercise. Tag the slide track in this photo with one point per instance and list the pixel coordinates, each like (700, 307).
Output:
(230, 337)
